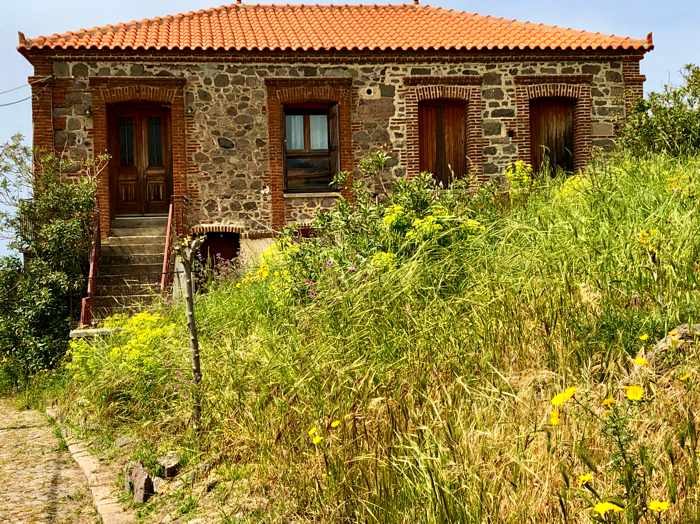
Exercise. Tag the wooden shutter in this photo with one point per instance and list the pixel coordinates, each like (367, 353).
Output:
(552, 132)
(442, 139)
(333, 139)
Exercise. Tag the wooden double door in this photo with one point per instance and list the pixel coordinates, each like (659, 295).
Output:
(442, 134)
(140, 165)
(552, 133)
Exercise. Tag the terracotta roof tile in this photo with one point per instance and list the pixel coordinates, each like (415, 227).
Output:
(296, 27)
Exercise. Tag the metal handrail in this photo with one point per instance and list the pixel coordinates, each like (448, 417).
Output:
(95, 252)
(165, 277)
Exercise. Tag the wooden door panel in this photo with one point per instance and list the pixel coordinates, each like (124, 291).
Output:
(140, 165)
(442, 139)
(552, 133)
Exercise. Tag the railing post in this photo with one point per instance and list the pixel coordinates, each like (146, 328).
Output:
(86, 304)
(167, 252)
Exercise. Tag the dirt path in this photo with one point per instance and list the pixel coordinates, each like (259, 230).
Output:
(39, 481)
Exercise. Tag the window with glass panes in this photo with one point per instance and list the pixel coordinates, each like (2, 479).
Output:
(311, 147)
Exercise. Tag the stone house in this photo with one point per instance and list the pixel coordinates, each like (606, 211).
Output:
(239, 116)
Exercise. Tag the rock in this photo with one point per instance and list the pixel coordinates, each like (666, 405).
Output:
(141, 483)
(159, 485)
(170, 464)
(682, 336)
(128, 484)
(226, 143)
(122, 442)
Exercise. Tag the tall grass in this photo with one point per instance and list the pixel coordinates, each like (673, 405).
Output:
(439, 367)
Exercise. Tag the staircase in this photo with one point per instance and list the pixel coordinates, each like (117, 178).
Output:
(131, 265)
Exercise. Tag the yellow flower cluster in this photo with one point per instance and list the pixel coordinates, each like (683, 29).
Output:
(603, 508)
(649, 238)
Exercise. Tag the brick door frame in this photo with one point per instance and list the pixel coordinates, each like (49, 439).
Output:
(105, 91)
(281, 91)
(465, 88)
(575, 87)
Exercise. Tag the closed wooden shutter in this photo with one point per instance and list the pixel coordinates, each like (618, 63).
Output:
(333, 139)
(552, 132)
(442, 139)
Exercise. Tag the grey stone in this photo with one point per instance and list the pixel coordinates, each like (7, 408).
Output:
(141, 484)
(420, 71)
(590, 69)
(226, 143)
(60, 69)
(204, 95)
(492, 79)
(492, 128)
(221, 80)
(122, 442)
(494, 93)
(503, 113)
(80, 70)
(387, 91)
(159, 485)
(170, 464)
(613, 76)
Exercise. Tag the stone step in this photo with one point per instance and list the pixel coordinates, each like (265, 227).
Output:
(158, 240)
(110, 260)
(101, 313)
(132, 249)
(138, 222)
(125, 287)
(138, 231)
(121, 301)
(121, 279)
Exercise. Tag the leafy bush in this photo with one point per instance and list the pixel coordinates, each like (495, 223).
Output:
(54, 231)
(667, 122)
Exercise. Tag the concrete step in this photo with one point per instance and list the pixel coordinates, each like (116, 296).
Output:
(101, 313)
(107, 261)
(132, 249)
(128, 279)
(158, 240)
(139, 222)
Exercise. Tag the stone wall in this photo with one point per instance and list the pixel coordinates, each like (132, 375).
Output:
(227, 142)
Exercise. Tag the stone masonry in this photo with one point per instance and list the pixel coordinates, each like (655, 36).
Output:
(226, 104)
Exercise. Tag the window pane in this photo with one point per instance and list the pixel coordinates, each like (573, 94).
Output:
(295, 132)
(155, 143)
(126, 142)
(309, 173)
(319, 131)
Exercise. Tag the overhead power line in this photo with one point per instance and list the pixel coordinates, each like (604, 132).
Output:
(25, 85)
(16, 102)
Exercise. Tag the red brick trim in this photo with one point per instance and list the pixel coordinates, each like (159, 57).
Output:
(42, 115)
(577, 87)
(170, 91)
(469, 80)
(281, 91)
(634, 84)
(442, 88)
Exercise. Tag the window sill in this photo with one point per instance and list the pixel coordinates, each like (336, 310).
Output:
(319, 194)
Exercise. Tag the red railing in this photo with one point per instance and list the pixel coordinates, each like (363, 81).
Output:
(86, 304)
(166, 275)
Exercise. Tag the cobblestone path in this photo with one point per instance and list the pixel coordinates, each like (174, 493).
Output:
(39, 481)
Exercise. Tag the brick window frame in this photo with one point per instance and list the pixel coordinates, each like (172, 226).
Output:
(467, 88)
(634, 83)
(576, 87)
(168, 91)
(288, 91)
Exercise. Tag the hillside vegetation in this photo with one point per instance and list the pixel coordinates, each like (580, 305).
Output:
(442, 356)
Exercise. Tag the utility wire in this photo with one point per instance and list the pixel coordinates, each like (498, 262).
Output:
(15, 102)
(23, 86)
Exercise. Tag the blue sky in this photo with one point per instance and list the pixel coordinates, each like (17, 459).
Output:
(674, 23)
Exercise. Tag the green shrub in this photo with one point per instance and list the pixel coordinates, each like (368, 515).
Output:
(667, 122)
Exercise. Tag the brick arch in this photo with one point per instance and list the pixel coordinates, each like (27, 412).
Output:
(281, 91)
(575, 87)
(419, 89)
(169, 91)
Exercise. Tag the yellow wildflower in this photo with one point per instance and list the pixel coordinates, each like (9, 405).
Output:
(658, 505)
(673, 333)
(609, 402)
(317, 440)
(641, 361)
(684, 377)
(643, 337)
(312, 431)
(554, 417)
(634, 392)
(335, 423)
(603, 507)
(584, 479)
(561, 398)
